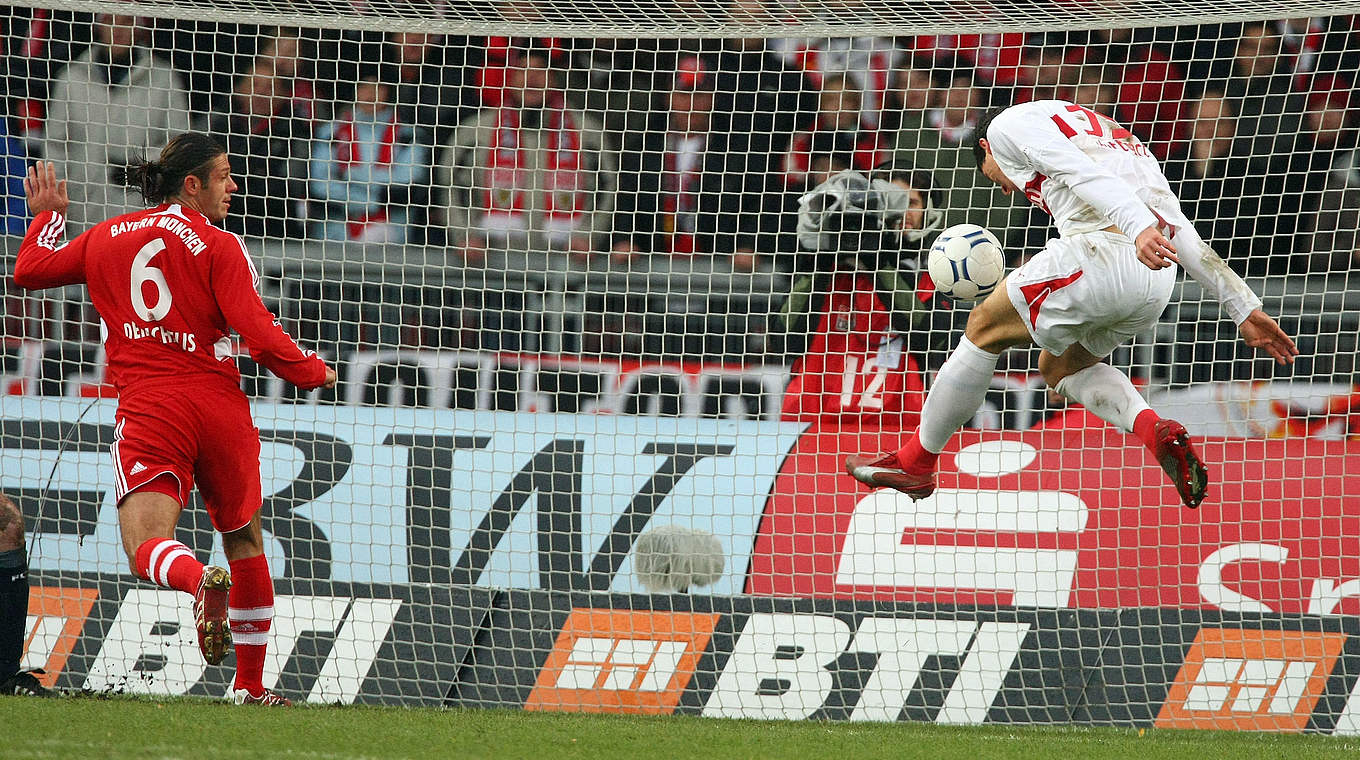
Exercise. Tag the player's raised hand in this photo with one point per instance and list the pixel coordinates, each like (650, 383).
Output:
(1154, 250)
(43, 191)
(1260, 331)
(331, 378)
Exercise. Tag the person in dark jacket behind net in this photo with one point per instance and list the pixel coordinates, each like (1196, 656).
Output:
(862, 314)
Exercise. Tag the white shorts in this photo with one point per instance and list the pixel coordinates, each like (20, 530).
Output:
(1089, 288)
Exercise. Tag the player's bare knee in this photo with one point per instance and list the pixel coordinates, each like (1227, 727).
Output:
(11, 525)
(994, 325)
(987, 333)
(979, 329)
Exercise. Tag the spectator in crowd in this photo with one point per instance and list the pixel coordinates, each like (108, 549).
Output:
(759, 102)
(996, 58)
(283, 51)
(533, 173)
(836, 140)
(1049, 73)
(500, 55)
(365, 167)
(34, 43)
(1260, 89)
(115, 102)
(1302, 40)
(1209, 173)
(1327, 178)
(956, 111)
(13, 169)
(431, 92)
(615, 78)
(864, 63)
(672, 194)
(1328, 134)
(267, 142)
(909, 98)
(861, 317)
(839, 113)
(828, 154)
(940, 146)
(1151, 87)
(1095, 90)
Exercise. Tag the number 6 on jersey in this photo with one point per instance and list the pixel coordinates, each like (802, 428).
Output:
(143, 273)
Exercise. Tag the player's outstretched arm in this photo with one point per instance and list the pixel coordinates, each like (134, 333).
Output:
(43, 260)
(44, 191)
(1260, 331)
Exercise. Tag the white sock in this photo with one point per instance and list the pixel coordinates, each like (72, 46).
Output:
(959, 389)
(1106, 392)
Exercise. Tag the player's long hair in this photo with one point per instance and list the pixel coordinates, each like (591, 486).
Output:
(187, 154)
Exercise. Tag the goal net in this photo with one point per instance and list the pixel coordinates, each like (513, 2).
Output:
(597, 384)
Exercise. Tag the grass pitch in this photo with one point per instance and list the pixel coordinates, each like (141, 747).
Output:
(98, 728)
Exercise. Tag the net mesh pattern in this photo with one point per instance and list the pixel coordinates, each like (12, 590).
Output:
(596, 391)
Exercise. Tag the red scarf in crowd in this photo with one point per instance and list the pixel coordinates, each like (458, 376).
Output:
(680, 197)
(563, 180)
(348, 155)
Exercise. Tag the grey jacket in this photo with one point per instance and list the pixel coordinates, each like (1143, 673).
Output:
(92, 125)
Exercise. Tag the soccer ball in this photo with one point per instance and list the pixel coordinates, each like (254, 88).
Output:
(966, 262)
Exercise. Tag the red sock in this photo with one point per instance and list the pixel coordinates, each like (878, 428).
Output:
(250, 610)
(1143, 427)
(166, 562)
(915, 459)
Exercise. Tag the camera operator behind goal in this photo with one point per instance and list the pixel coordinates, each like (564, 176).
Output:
(862, 314)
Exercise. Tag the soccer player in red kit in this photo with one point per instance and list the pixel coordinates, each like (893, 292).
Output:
(169, 288)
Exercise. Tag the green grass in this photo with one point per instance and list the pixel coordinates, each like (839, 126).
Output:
(92, 729)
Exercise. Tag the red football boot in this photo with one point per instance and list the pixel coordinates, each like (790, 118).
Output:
(1178, 459)
(210, 614)
(885, 471)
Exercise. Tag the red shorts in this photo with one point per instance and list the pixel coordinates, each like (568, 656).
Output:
(165, 441)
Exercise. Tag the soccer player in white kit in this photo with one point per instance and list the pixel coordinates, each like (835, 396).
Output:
(1106, 278)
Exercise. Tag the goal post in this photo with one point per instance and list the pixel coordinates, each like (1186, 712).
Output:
(595, 392)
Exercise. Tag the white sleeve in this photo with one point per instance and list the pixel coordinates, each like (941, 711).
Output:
(1047, 151)
(1214, 275)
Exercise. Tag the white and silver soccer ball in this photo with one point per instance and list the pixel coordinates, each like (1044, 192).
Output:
(966, 262)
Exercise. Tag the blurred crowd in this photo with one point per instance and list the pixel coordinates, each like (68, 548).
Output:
(612, 149)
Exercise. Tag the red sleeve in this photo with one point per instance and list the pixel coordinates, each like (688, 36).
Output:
(43, 260)
(233, 283)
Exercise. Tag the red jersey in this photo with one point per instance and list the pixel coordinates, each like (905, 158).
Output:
(856, 368)
(169, 287)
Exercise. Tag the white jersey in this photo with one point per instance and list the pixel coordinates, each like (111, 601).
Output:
(1090, 173)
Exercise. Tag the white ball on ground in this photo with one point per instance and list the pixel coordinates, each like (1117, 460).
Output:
(671, 558)
(966, 262)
